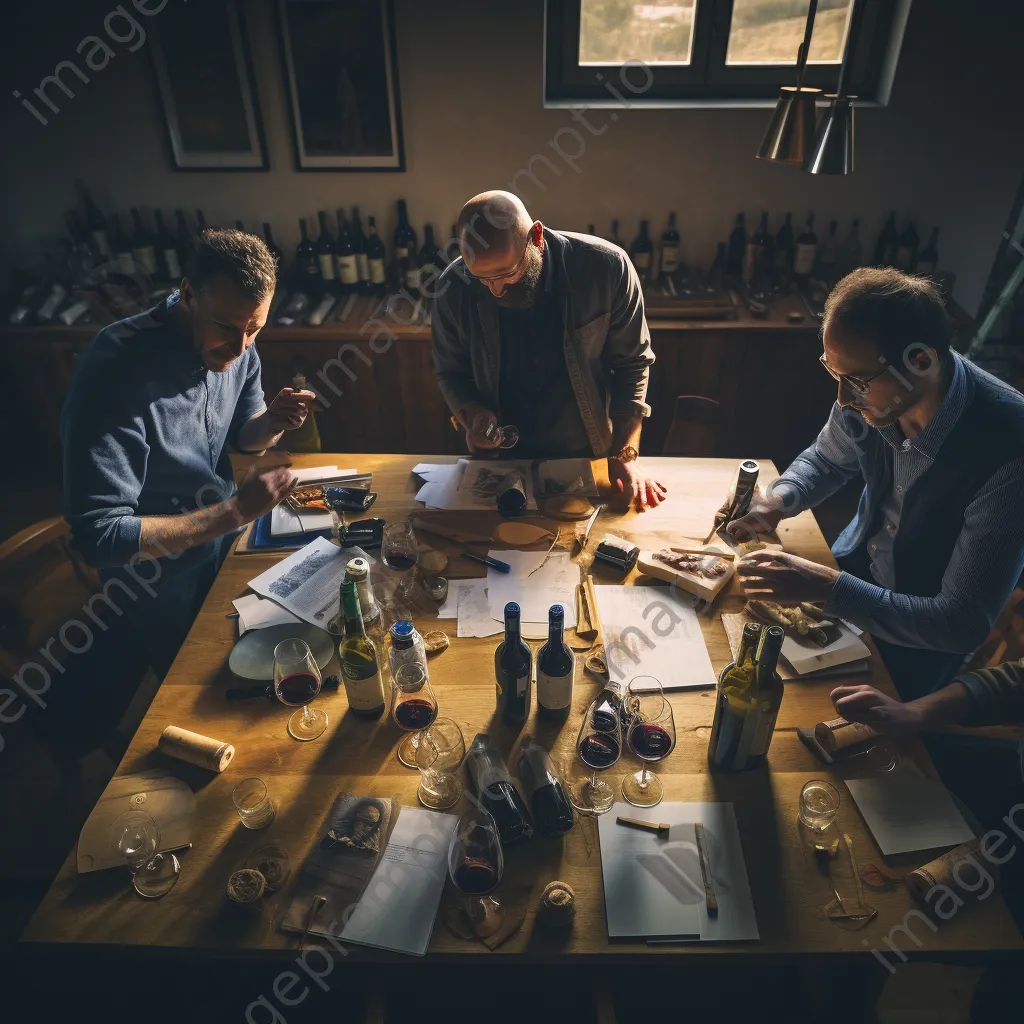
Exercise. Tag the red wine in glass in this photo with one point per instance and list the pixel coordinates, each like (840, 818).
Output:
(400, 559)
(298, 689)
(415, 713)
(475, 877)
(599, 750)
(650, 742)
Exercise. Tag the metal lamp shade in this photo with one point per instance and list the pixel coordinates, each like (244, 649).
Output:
(833, 145)
(790, 135)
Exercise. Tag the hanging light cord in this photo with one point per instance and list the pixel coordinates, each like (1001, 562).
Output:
(805, 46)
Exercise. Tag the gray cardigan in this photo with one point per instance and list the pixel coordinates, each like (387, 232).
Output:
(607, 343)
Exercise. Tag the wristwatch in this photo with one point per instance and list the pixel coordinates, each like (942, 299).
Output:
(628, 454)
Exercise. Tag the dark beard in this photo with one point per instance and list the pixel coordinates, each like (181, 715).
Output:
(523, 294)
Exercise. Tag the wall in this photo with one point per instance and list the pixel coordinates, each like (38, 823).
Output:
(945, 150)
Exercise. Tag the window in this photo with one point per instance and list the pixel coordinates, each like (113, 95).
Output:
(703, 52)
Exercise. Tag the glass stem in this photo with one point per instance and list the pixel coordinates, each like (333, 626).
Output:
(593, 780)
(307, 715)
(645, 776)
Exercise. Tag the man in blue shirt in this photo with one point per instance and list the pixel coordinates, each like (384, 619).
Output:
(154, 403)
(937, 544)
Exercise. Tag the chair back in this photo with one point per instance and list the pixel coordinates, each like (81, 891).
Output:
(694, 428)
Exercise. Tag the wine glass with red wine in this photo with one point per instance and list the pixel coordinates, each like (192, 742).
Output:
(476, 865)
(599, 745)
(400, 552)
(651, 734)
(296, 682)
(413, 708)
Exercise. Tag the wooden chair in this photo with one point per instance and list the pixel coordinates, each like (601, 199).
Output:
(694, 428)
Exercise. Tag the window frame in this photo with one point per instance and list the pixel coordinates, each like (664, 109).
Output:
(707, 81)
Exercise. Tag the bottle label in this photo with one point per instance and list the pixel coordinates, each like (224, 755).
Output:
(765, 728)
(641, 260)
(72, 313)
(173, 265)
(49, 308)
(364, 693)
(669, 259)
(412, 279)
(401, 252)
(101, 242)
(803, 263)
(326, 266)
(427, 271)
(377, 271)
(362, 266)
(348, 269)
(146, 258)
(554, 692)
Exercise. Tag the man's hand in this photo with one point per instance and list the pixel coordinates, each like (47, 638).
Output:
(778, 576)
(479, 421)
(863, 703)
(259, 494)
(289, 409)
(765, 514)
(641, 490)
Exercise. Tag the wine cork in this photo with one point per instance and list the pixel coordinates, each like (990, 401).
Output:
(203, 751)
(557, 905)
(838, 734)
(957, 869)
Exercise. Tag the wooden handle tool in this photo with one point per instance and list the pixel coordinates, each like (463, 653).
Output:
(647, 826)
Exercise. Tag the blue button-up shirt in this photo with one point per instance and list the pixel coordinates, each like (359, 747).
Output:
(986, 562)
(145, 431)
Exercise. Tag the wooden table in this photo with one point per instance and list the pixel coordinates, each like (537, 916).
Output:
(359, 757)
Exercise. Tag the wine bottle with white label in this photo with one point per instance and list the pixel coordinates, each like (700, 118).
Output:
(359, 657)
(555, 670)
(325, 251)
(670, 247)
(513, 664)
(375, 257)
(806, 251)
(345, 256)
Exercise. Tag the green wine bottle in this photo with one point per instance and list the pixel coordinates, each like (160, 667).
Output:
(735, 721)
(357, 653)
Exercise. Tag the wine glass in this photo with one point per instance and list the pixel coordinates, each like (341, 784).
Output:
(476, 865)
(399, 552)
(441, 750)
(599, 745)
(880, 758)
(651, 734)
(413, 707)
(296, 682)
(137, 838)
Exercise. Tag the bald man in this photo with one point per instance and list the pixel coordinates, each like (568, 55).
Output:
(545, 330)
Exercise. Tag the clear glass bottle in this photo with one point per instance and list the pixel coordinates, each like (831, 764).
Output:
(406, 647)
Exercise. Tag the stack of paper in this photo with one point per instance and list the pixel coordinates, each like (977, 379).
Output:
(470, 484)
(285, 522)
(255, 612)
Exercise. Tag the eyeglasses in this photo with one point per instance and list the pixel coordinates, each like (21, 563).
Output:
(862, 385)
(494, 279)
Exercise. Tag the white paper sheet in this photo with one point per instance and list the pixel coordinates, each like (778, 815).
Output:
(255, 612)
(653, 631)
(803, 658)
(398, 907)
(653, 886)
(444, 487)
(907, 812)
(285, 522)
(554, 582)
(450, 608)
(308, 581)
(475, 611)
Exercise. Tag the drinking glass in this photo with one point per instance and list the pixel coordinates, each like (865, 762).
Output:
(137, 838)
(651, 734)
(399, 552)
(253, 803)
(881, 758)
(296, 682)
(599, 745)
(476, 865)
(413, 708)
(440, 752)
(819, 805)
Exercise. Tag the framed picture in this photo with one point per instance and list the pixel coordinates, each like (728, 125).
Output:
(205, 79)
(339, 58)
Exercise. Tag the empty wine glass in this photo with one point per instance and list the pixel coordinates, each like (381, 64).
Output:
(413, 707)
(819, 805)
(507, 436)
(599, 745)
(400, 552)
(137, 838)
(880, 757)
(651, 734)
(296, 682)
(440, 752)
(476, 865)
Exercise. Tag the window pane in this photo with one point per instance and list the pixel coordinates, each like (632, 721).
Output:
(771, 31)
(656, 32)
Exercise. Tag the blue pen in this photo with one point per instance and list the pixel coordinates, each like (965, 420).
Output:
(487, 560)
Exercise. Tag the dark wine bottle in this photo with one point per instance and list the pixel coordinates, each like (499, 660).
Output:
(549, 804)
(431, 260)
(201, 224)
(929, 258)
(375, 257)
(590, 229)
(906, 250)
(737, 247)
(166, 252)
(239, 226)
(96, 224)
(555, 670)
(614, 237)
(143, 250)
(888, 240)
(307, 264)
(491, 785)
(670, 247)
(641, 252)
(325, 251)
(359, 246)
(268, 237)
(756, 252)
(828, 255)
(405, 237)
(806, 251)
(513, 662)
(716, 272)
(121, 249)
(346, 264)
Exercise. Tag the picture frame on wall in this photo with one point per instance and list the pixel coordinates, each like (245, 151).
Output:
(341, 69)
(204, 76)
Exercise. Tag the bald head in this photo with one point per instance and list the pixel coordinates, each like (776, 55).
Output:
(492, 230)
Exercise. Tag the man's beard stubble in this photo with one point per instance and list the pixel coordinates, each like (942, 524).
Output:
(523, 294)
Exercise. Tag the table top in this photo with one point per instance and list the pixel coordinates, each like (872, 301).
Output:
(358, 757)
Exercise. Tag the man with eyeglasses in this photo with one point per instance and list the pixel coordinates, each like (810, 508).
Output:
(545, 330)
(154, 403)
(937, 544)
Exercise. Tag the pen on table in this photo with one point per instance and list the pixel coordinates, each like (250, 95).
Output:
(487, 560)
